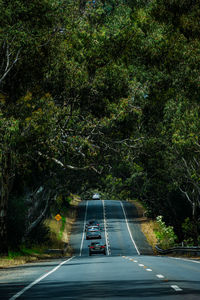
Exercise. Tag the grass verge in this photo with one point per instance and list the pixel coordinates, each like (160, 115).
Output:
(59, 236)
(149, 227)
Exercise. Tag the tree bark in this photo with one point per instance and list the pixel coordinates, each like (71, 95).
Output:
(5, 179)
(82, 4)
(39, 218)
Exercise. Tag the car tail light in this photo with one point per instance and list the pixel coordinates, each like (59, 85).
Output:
(92, 247)
(102, 246)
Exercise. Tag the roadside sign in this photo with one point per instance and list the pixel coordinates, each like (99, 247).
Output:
(58, 217)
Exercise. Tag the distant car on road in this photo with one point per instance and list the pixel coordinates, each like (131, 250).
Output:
(93, 228)
(92, 223)
(93, 235)
(97, 248)
(96, 196)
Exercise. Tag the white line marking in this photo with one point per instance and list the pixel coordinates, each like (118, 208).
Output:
(176, 288)
(106, 234)
(135, 261)
(140, 265)
(38, 280)
(160, 276)
(189, 260)
(149, 270)
(129, 229)
(83, 228)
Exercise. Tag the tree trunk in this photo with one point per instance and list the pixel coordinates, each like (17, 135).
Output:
(82, 4)
(5, 178)
(195, 224)
(3, 231)
(38, 219)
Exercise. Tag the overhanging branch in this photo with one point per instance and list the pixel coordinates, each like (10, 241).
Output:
(64, 166)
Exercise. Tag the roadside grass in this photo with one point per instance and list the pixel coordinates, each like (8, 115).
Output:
(24, 255)
(58, 240)
(149, 227)
(59, 231)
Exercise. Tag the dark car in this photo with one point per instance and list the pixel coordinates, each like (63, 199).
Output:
(92, 223)
(93, 228)
(97, 248)
(93, 235)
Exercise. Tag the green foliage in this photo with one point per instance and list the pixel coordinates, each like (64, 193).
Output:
(40, 235)
(113, 187)
(107, 92)
(23, 250)
(190, 229)
(61, 203)
(165, 234)
(17, 211)
(62, 227)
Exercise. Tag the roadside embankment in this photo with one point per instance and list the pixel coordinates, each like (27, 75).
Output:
(58, 240)
(148, 226)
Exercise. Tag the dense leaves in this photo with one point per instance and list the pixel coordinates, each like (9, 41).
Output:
(100, 96)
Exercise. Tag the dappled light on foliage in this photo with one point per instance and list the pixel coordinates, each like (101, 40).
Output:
(99, 96)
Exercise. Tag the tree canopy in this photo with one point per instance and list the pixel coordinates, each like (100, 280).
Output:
(100, 95)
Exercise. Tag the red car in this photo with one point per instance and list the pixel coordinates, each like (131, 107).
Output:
(97, 248)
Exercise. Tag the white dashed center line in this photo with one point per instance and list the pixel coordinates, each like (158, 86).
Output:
(81, 247)
(176, 288)
(160, 276)
(105, 225)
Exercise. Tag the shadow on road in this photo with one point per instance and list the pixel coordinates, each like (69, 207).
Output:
(125, 289)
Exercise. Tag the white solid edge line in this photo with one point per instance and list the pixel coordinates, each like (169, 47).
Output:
(129, 229)
(189, 260)
(176, 288)
(38, 280)
(81, 247)
(106, 234)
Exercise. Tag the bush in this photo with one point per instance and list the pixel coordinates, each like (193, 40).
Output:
(16, 221)
(39, 235)
(191, 230)
(165, 234)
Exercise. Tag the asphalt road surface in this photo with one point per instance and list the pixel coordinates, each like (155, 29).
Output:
(128, 271)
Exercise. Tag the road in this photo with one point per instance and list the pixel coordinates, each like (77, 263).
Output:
(128, 271)
(117, 231)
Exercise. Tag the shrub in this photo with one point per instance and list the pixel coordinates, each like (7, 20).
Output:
(16, 221)
(191, 231)
(165, 234)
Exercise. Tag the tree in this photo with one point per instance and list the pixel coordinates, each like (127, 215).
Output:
(27, 31)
